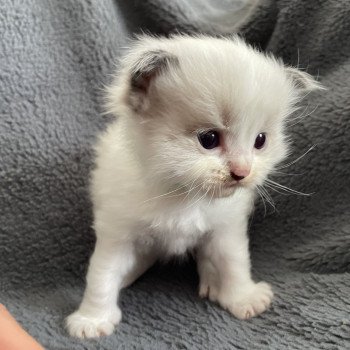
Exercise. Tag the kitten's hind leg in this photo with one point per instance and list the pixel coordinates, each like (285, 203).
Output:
(113, 266)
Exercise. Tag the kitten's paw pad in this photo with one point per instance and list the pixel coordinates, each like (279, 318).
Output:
(251, 302)
(85, 326)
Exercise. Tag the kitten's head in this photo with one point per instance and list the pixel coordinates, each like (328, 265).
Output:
(208, 113)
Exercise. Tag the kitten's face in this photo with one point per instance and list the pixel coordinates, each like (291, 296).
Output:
(214, 144)
(212, 118)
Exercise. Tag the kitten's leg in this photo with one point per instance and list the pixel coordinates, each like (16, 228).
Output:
(113, 265)
(224, 269)
(144, 260)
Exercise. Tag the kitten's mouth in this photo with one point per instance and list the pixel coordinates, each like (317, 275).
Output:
(232, 184)
(224, 189)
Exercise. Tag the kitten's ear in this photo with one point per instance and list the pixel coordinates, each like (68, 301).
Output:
(303, 81)
(144, 72)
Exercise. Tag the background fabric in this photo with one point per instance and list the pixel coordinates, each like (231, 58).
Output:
(55, 56)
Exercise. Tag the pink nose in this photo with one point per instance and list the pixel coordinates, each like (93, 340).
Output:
(239, 173)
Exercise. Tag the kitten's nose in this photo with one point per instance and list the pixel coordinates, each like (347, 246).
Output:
(236, 177)
(239, 173)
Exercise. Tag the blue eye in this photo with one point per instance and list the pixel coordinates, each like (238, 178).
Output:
(209, 139)
(260, 141)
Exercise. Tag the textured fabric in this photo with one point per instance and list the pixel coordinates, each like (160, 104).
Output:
(55, 56)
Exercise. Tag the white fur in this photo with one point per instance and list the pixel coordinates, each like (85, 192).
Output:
(157, 192)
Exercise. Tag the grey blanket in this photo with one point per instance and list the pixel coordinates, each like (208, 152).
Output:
(55, 56)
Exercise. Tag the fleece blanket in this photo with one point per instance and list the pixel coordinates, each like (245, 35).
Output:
(55, 57)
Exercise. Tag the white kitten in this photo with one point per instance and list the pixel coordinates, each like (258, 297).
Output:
(201, 124)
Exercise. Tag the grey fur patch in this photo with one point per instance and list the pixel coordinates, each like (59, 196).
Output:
(150, 65)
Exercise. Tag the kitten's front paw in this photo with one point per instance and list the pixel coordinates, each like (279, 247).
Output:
(81, 325)
(249, 302)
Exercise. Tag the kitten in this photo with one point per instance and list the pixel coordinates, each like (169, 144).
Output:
(201, 125)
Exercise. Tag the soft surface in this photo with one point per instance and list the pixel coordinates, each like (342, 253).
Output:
(55, 57)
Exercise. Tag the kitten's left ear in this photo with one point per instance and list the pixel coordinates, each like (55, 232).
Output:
(303, 81)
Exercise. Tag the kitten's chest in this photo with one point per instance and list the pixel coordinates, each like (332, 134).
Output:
(176, 230)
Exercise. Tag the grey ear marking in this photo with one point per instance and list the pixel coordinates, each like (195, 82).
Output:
(303, 81)
(151, 64)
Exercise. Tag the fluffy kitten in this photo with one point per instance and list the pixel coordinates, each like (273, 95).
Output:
(201, 124)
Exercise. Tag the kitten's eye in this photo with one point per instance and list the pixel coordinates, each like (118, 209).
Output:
(209, 139)
(260, 140)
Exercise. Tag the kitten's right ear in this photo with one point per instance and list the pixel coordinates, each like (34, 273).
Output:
(303, 81)
(144, 72)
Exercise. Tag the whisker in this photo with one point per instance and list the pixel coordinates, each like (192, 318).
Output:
(268, 198)
(212, 195)
(301, 116)
(263, 201)
(173, 193)
(199, 190)
(286, 174)
(191, 188)
(175, 190)
(276, 190)
(166, 194)
(296, 160)
(198, 198)
(274, 184)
